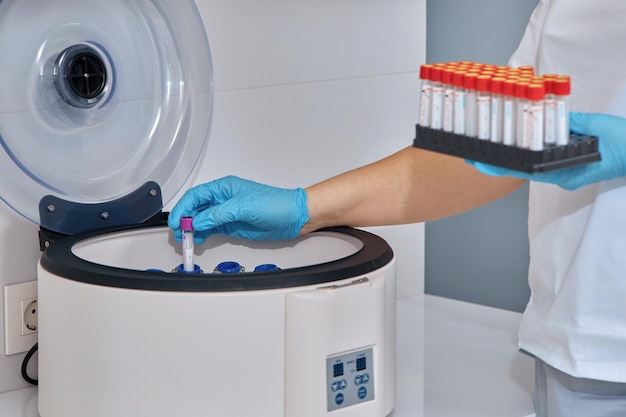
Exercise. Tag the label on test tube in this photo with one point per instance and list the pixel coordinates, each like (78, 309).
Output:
(562, 89)
(497, 100)
(483, 107)
(436, 119)
(459, 103)
(562, 135)
(426, 94)
(550, 120)
(536, 95)
(521, 114)
(508, 113)
(448, 100)
(549, 111)
(470, 104)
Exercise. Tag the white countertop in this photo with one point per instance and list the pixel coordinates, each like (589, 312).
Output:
(455, 359)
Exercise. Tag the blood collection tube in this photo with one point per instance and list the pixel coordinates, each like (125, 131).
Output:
(508, 112)
(470, 103)
(549, 111)
(535, 116)
(448, 98)
(483, 107)
(436, 107)
(497, 104)
(562, 90)
(459, 102)
(521, 108)
(425, 97)
(187, 228)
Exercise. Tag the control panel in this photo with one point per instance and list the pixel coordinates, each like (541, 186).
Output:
(350, 379)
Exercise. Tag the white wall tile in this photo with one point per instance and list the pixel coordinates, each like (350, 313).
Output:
(300, 134)
(258, 43)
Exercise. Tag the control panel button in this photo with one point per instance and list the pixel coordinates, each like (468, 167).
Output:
(343, 384)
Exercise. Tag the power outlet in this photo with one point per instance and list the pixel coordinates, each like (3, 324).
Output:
(20, 317)
(30, 319)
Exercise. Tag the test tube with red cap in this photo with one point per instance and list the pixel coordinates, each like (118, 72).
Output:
(549, 110)
(483, 107)
(437, 98)
(535, 116)
(448, 98)
(497, 106)
(521, 109)
(508, 112)
(425, 95)
(470, 104)
(458, 80)
(562, 89)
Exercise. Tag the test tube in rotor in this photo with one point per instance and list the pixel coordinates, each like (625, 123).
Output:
(186, 226)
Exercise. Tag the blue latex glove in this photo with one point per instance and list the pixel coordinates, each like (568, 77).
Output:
(241, 208)
(611, 133)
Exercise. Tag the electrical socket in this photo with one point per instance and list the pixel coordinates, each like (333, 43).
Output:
(20, 317)
(30, 318)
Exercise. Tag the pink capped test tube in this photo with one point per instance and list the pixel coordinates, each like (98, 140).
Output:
(186, 226)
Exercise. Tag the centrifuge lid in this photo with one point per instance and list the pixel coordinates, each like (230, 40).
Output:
(101, 100)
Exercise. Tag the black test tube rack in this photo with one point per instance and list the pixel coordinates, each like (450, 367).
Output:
(580, 150)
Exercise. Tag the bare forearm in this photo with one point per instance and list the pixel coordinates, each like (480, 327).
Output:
(407, 187)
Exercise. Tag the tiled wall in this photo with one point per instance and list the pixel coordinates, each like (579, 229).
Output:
(303, 90)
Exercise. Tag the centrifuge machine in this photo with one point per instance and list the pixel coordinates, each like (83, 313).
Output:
(105, 111)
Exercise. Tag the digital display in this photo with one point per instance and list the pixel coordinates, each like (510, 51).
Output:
(337, 369)
(361, 364)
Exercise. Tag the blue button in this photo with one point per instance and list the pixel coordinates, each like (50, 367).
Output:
(335, 386)
(365, 378)
(358, 380)
(362, 392)
(339, 399)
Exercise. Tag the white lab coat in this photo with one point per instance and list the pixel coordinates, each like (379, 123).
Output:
(576, 317)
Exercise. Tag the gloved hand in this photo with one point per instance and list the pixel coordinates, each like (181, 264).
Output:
(241, 208)
(611, 132)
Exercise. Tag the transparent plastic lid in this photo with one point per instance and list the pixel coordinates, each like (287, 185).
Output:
(99, 98)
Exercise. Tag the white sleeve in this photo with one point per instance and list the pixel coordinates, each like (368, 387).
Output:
(527, 51)
(583, 39)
